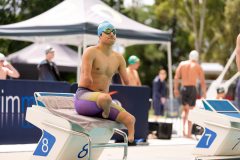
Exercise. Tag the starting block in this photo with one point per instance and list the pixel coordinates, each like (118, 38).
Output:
(221, 122)
(63, 139)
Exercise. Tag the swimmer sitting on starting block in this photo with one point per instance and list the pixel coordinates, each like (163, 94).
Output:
(99, 64)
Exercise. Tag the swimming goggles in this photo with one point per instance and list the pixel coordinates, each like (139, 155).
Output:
(108, 31)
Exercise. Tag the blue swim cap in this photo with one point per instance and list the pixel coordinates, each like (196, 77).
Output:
(103, 26)
(133, 59)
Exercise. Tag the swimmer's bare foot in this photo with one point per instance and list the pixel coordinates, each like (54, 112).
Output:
(105, 115)
(190, 137)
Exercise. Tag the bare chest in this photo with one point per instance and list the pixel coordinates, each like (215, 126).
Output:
(132, 76)
(107, 65)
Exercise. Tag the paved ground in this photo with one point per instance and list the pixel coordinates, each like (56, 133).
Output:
(178, 148)
(177, 152)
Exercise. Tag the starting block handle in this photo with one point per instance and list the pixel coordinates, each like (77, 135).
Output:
(125, 142)
(222, 126)
(97, 145)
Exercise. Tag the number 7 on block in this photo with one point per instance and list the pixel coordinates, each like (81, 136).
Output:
(209, 136)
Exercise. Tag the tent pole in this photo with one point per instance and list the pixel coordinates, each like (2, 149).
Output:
(79, 61)
(170, 71)
(84, 43)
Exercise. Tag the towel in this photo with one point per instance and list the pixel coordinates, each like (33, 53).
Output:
(64, 107)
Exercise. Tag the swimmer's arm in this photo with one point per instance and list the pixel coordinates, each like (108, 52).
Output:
(87, 61)
(203, 84)
(122, 81)
(11, 71)
(177, 76)
(123, 71)
(238, 52)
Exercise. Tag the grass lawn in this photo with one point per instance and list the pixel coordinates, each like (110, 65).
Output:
(151, 113)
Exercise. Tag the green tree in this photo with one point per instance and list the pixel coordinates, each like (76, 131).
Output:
(149, 54)
(225, 21)
(114, 4)
(202, 20)
(217, 43)
(151, 58)
(13, 11)
(154, 56)
(230, 33)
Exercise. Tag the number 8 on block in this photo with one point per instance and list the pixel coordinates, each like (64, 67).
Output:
(45, 144)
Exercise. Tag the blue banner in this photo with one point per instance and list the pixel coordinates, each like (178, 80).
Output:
(15, 97)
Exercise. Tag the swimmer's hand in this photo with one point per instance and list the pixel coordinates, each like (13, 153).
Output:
(88, 79)
(176, 93)
(163, 100)
(7, 64)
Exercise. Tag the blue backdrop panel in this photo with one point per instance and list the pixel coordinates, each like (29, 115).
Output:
(74, 87)
(136, 101)
(15, 97)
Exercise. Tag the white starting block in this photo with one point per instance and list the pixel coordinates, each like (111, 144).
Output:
(63, 139)
(221, 122)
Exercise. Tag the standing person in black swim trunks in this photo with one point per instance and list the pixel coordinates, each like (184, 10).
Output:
(99, 64)
(189, 71)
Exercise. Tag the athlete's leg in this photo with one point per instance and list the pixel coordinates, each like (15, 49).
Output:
(190, 125)
(184, 99)
(128, 121)
(184, 117)
(191, 103)
(104, 102)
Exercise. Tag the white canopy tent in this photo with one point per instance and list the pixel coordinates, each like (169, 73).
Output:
(212, 68)
(65, 57)
(75, 22)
